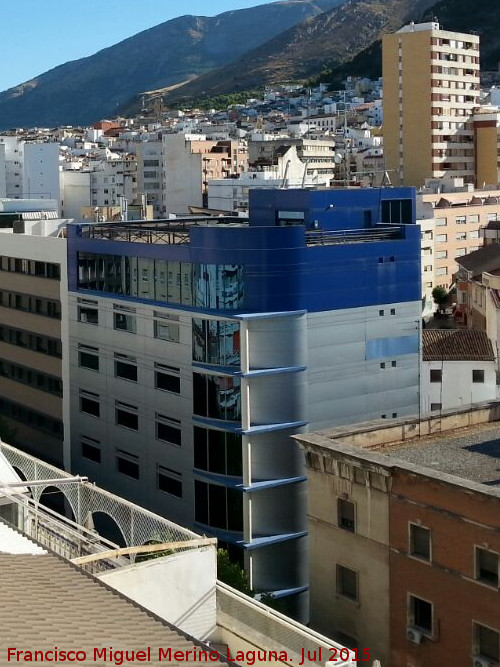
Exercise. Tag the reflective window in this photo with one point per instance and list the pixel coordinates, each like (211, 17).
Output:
(169, 480)
(91, 449)
(35, 379)
(126, 415)
(89, 403)
(201, 285)
(87, 311)
(218, 452)
(168, 430)
(216, 342)
(166, 326)
(218, 506)
(125, 367)
(167, 378)
(124, 319)
(127, 464)
(217, 397)
(88, 357)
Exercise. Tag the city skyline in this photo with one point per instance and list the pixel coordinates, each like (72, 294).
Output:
(57, 36)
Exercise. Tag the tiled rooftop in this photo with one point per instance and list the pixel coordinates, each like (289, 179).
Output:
(456, 345)
(46, 602)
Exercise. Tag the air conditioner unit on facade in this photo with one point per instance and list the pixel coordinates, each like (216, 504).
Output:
(414, 635)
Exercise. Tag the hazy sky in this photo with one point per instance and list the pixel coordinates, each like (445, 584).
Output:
(40, 34)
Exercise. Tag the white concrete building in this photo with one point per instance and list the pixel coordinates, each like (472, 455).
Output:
(288, 171)
(75, 192)
(31, 169)
(458, 369)
(110, 180)
(150, 172)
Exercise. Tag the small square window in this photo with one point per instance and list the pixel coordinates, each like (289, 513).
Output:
(347, 582)
(420, 542)
(88, 357)
(486, 643)
(169, 481)
(381, 313)
(126, 415)
(436, 375)
(487, 566)
(436, 406)
(89, 403)
(393, 311)
(382, 365)
(346, 515)
(394, 364)
(420, 614)
(91, 449)
(477, 376)
(127, 464)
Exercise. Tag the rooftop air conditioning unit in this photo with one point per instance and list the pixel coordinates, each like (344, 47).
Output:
(414, 635)
(481, 662)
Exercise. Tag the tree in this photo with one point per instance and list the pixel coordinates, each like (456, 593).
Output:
(232, 573)
(440, 296)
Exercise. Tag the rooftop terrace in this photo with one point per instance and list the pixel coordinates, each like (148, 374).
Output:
(177, 231)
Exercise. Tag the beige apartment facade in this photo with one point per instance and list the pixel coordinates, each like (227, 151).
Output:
(459, 218)
(431, 87)
(33, 338)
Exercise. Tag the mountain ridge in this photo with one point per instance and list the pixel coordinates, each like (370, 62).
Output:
(84, 90)
(303, 49)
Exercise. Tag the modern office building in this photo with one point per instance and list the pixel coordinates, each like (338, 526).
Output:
(198, 348)
(431, 88)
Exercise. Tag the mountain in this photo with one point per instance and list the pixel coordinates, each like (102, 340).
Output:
(329, 39)
(85, 90)
(454, 15)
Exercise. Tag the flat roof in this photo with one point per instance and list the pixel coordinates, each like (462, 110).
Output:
(471, 453)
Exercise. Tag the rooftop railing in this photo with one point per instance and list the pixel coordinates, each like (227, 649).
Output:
(277, 631)
(347, 236)
(171, 232)
(76, 537)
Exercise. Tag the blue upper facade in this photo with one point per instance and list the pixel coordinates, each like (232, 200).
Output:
(314, 250)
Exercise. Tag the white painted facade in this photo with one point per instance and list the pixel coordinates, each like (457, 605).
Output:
(112, 179)
(31, 169)
(179, 587)
(150, 173)
(75, 192)
(3, 182)
(457, 388)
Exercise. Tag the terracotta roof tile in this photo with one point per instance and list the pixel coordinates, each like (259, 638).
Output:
(456, 345)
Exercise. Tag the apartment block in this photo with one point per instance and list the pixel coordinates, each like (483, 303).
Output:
(33, 328)
(404, 536)
(197, 348)
(150, 176)
(431, 88)
(31, 168)
(459, 217)
(190, 161)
